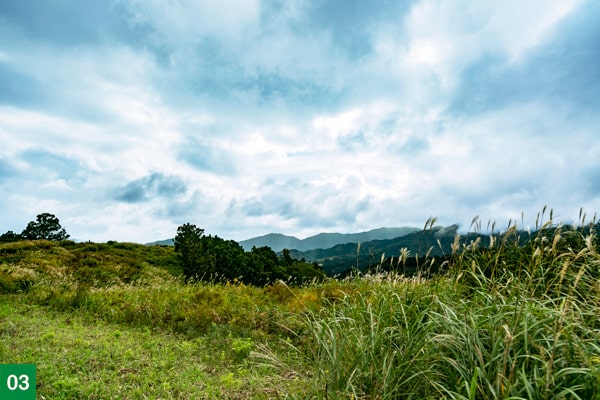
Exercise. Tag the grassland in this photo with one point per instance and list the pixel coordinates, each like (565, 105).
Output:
(517, 320)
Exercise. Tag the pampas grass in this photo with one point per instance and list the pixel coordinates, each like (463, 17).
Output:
(516, 320)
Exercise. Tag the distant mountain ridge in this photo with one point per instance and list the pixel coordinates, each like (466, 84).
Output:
(166, 242)
(278, 241)
(340, 258)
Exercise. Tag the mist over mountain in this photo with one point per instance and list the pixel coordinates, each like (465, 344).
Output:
(278, 241)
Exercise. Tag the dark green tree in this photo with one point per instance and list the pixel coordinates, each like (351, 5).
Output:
(10, 236)
(46, 226)
(225, 259)
(263, 266)
(286, 258)
(189, 247)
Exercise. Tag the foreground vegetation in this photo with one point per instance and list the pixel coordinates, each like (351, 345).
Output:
(517, 319)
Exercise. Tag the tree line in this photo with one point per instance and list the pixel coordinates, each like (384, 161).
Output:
(211, 258)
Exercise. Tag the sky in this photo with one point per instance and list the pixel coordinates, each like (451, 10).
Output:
(129, 118)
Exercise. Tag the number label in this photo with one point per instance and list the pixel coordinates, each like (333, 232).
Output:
(21, 383)
(17, 381)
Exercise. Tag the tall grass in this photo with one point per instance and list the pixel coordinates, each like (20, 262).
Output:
(519, 320)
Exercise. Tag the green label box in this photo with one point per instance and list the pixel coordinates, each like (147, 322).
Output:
(17, 381)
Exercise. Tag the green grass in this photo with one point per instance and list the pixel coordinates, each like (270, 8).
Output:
(77, 359)
(520, 320)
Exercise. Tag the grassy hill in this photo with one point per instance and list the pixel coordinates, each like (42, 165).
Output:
(115, 320)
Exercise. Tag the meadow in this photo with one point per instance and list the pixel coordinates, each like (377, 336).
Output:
(518, 319)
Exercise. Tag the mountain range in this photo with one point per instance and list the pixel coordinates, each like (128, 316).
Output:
(278, 241)
(434, 242)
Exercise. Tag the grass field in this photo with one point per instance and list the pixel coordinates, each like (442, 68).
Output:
(114, 321)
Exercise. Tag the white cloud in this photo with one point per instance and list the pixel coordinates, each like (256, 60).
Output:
(516, 26)
(444, 37)
(250, 116)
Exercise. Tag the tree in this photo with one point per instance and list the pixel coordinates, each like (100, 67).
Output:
(263, 266)
(286, 258)
(46, 226)
(188, 245)
(225, 259)
(10, 236)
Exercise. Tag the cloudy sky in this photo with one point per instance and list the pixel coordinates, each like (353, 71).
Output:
(128, 118)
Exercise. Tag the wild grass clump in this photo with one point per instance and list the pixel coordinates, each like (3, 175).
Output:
(16, 280)
(367, 342)
(426, 340)
(527, 326)
(518, 319)
(554, 261)
(497, 347)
